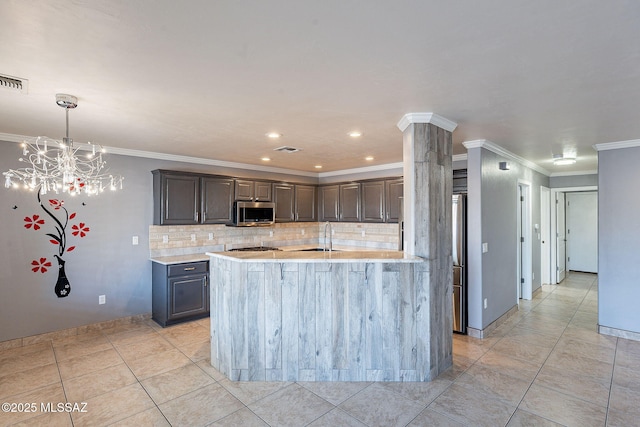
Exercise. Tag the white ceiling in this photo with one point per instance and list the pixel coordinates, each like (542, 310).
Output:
(209, 78)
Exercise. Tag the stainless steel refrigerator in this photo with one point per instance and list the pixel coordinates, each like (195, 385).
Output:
(459, 234)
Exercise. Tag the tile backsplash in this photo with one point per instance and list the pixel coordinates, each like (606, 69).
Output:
(167, 240)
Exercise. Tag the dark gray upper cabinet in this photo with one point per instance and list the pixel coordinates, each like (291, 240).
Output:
(373, 197)
(393, 199)
(329, 202)
(176, 198)
(305, 203)
(283, 197)
(183, 198)
(217, 200)
(259, 191)
(350, 202)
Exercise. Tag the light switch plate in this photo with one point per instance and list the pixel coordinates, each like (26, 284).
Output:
(485, 248)
(134, 240)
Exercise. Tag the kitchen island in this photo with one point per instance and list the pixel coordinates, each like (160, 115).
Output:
(320, 316)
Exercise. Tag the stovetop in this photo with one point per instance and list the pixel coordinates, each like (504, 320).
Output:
(255, 249)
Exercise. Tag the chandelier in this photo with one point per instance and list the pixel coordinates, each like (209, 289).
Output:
(59, 167)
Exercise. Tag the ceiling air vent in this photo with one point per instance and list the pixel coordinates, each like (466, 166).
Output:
(14, 83)
(286, 149)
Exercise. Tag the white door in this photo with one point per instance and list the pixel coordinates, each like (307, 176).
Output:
(561, 252)
(582, 231)
(545, 236)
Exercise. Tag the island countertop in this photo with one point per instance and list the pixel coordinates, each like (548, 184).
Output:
(313, 257)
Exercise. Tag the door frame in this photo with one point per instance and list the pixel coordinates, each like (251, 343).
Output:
(554, 225)
(524, 257)
(545, 235)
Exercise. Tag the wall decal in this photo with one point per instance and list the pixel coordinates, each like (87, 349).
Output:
(59, 238)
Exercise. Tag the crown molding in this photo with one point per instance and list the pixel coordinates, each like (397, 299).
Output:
(488, 145)
(361, 170)
(432, 118)
(459, 157)
(212, 162)
(575, 173)
(617, 145)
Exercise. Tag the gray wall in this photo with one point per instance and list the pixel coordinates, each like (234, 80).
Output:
(492, 215)
(104, 263)
(589, 180)
(618, 239)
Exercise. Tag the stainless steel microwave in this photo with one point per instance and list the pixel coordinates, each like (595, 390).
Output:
(247, 214)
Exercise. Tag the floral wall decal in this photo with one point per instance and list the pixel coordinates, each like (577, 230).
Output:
(57, 237)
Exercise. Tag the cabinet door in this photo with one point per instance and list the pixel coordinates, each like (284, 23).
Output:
(394, 197)
(180, 199)
(305, 203)
(329, 203)
(373, 201)
(283, 197)
(262, 191)
(350, 202)
(244, 189)
(188, 296)
(217, 200)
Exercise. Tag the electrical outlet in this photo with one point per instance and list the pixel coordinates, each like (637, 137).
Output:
(134, 240)
(102, 299)
(485, 303)
(193, 237)
(302, 231)
(363, 233)
(210, 236)
(485, 248)
(165, 238)
(271, 233)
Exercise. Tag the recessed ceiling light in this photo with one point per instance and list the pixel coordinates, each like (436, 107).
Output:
(354, 134)
(265, 159)
(368, 158)
(318, 166)
(274, 135)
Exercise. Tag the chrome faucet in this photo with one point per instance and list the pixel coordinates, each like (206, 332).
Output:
(324, 246)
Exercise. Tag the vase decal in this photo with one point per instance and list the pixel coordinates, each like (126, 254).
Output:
(63, 287)
(57, 237)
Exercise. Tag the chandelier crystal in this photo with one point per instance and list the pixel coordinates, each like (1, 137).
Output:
(58, 167)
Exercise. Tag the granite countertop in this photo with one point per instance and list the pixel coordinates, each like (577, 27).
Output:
(180, 259)
(311, 256)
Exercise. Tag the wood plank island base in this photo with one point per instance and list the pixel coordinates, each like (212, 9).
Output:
(316, 316)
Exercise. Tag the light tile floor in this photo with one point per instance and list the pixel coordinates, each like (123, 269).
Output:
(545, 366)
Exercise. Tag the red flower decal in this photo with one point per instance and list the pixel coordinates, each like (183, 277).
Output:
(80, 229)
(40, 266)
(70, 248)
(34, 222)
(56, 204)
(73, 215)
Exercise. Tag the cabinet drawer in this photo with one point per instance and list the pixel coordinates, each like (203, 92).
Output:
(188, 268)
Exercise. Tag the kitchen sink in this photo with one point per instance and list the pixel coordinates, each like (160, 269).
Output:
(318, 250)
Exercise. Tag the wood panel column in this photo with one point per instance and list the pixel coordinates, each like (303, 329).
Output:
(428, 189)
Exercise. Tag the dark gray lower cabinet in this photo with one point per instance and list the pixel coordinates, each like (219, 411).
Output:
(180, 292)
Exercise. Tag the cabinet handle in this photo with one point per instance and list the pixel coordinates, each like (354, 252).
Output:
(196, 216)
(189, 268)
(204, 216)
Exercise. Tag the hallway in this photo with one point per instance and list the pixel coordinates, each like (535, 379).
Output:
(545, 366)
